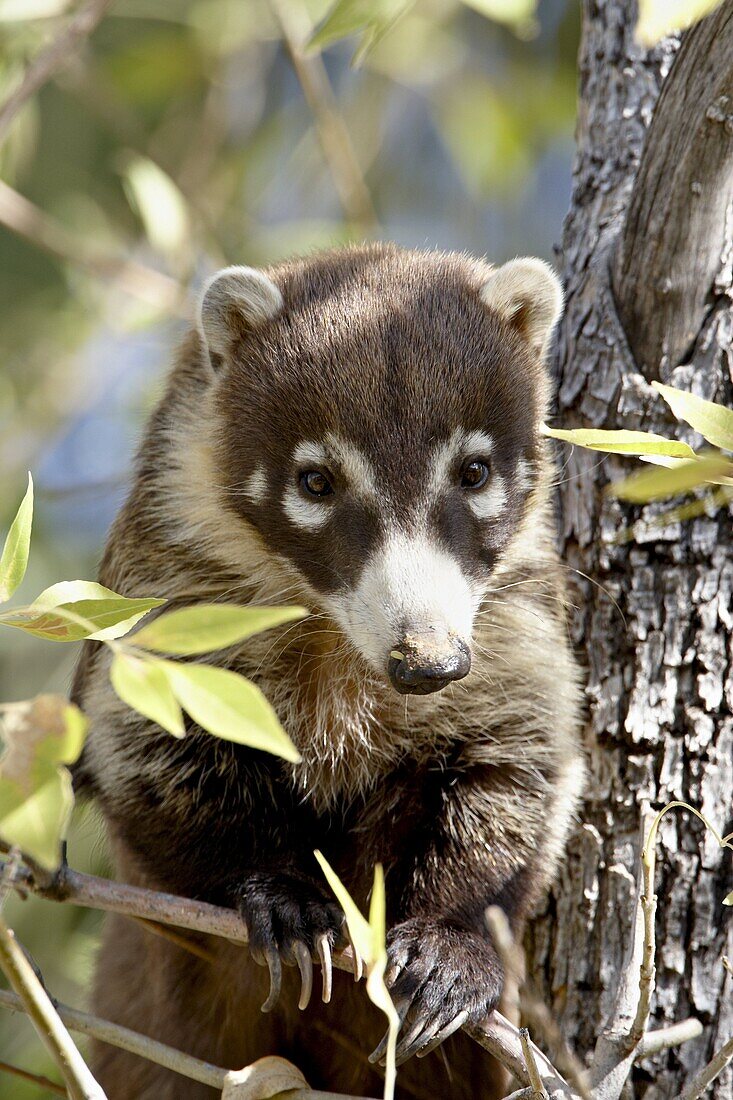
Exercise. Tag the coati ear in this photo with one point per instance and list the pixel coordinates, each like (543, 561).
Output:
(233, 302)
(526, 293)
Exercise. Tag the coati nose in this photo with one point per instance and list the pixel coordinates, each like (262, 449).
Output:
(421, 665)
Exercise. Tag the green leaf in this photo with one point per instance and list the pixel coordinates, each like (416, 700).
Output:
(359, 929)
(661, 483)
(658, 18)
(41, 736)
(14, 559)
(160, 204)
(229, 706)
(205, 627)
(372, 19)
(621, 442)
(144, 686)
(729, 899)
(713, 422)
(369, 939)
(72, 610)
(516, 13)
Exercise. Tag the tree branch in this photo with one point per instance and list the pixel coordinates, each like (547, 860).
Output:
(36, 1078)
(175, 1060)
(333, 133)
(495, 1034)
(37, 1003)
(48, 61)
(679, 222)
(656, 1041)
(708, 1073)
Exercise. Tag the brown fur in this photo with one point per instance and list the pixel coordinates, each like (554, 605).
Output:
(465, 796)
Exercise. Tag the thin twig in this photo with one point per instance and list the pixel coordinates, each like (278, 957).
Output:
(178, 938)
(501, 1039)
(21, 216)
(615, 1049)
(666, 1037)
(533, 1008)
(134, 1043)
(539, 1092)
(36, 1002)
(708, 1073)
(36, 1078)
(333, 133)
(48, 61)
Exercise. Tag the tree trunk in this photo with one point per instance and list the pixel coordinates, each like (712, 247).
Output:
(654, 205)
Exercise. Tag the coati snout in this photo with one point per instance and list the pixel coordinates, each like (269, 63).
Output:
(383, 438)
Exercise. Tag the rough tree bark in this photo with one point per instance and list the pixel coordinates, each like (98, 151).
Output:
(654, 206)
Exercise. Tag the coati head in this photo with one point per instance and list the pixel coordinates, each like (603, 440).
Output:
(378, 415)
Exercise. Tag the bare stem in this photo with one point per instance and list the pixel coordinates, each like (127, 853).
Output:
(656, 1041)
(533, 1008)
(333, 133)
(48, 61)
(495, 1034)
(36, 1078)
(47, 1022)
(539, 1092)
(193, 1068)
(708, 1073)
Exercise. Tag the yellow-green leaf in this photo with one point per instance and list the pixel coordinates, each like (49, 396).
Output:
(72, 610)
(514, 12)
(361, 933)
(144, 686)
(372, 19)
(659, 484)
(658, 18)
(205, 627)
(369, 939)
(160, 204)
(621, 442)
(14, 559)
(729, 899)
(41, 737)
(229, 706)
(713, 422)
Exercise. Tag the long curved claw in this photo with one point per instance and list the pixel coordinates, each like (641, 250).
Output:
(358, 961)
(305, 965)
(276, 974)
(379, 1051)
(443, 1034)
(324, 954)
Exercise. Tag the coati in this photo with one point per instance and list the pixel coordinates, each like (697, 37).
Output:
(356, 432)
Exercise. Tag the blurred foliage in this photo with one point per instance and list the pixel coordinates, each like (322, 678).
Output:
(178, 140)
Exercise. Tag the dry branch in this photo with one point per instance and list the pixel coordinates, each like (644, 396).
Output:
(50, 60)
(495, 1034)
(333, 132)
(708, 1073)
(51, 1030)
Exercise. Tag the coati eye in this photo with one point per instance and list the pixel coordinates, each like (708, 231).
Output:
(315, 483)
(474, 475)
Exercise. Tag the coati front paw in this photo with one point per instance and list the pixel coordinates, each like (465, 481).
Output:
(290, 920)
(440, 977)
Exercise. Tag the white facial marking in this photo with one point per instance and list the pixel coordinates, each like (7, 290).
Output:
(409, 585)
(309, 515)
(255, 486)
(309, 452)
(356, 467)
(490, 502)
(468, 445)
(477, 444)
